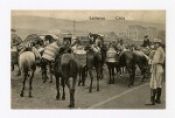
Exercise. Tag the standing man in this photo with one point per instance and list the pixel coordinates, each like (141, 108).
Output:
(146, 42)
(48, 59)
(157, 73)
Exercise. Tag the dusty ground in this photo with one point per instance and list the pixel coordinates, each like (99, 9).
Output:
(116, 96)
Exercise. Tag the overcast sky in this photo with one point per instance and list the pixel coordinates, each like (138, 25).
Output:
(155, 16)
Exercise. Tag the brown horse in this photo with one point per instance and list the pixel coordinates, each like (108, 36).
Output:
(95, 57)
(130, 59)
(66, 69)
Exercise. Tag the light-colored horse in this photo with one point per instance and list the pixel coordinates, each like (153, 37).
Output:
(27, 64)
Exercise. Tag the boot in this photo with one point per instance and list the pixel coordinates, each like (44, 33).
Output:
(153, 96)
(158, 101)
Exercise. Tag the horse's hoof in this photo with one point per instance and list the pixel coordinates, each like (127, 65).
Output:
(130, 85)
(44, 81)
(51, 82)
(57, 98)
(22, 95)
(98, 89)
(71, 106)
(30, 96)
(63, 98)
(90, 91)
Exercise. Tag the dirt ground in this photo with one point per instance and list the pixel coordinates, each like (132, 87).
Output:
(115, 96)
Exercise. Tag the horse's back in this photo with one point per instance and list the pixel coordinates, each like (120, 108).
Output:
(141, 57)
(69, 65)
(27, 60)
(126, 58)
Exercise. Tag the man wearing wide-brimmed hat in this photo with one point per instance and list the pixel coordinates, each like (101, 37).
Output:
(157, 72)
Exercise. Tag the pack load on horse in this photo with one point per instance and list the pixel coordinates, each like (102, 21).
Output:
(111, 54)
(80, 56)
(111, 61)
(48, 59)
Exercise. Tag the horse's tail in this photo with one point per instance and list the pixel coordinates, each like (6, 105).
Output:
(27, 62)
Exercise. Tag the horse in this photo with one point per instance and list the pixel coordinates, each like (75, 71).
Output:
(27, 66)
(94, 59)
(130, 59)
(66, 69)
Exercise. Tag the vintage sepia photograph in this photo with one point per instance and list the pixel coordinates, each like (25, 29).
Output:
(88, 59)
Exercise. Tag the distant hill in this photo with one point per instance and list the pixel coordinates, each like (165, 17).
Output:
(32, 24)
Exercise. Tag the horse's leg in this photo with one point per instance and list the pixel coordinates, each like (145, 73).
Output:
(143, 72)
(117, 69)
(80, 76)
(71, 85)
(133, 75)
(57, 87)
(83, 75)
(30, 83)
(130, 76)
(44, 70)
(98, 77)
(131, 71)
(24, 75)
(113, 75)
(50, 72)
(101, 72)
(63, 86)
(109, 69)
(91, 77)
(12, 67)
(19, 71)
